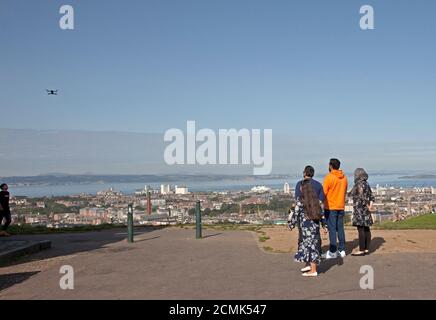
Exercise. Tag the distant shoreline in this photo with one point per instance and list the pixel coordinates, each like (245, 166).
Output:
(419, 177)
(66, 180)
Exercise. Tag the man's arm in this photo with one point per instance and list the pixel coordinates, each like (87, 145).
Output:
(326, 186)
(320, 189)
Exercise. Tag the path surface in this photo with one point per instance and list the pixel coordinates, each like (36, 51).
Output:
(171, 264)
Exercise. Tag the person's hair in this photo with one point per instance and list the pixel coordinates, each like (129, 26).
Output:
(335, 163)
(360, 175)
(3, 185)
(309, 171)
(310, 200)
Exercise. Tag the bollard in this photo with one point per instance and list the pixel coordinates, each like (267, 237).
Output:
(198, 220)
(130, 223)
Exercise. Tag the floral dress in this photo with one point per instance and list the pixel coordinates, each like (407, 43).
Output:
(362, 196)
(310, 247)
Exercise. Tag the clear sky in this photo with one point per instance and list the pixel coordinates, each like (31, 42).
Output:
(301, 68)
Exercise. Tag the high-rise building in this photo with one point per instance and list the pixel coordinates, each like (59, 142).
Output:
(165, 189)
(286, 188)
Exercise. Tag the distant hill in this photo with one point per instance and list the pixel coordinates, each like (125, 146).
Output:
(64, 179)
(419, 177)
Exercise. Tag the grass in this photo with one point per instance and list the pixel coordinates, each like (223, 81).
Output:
(424, 222)
(263, 238)
(27, 229)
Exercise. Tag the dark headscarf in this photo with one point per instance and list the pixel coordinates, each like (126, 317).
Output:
(360, 175)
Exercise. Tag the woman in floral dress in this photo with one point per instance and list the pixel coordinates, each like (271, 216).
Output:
(362, 205)
(308, 215)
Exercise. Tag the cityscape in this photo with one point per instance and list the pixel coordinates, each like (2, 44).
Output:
(187, 152)
(172, 205)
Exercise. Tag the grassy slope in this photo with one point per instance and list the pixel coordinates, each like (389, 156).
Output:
(424, 222)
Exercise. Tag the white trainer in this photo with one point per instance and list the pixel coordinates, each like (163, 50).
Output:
(342, 254)
(329, 255)
(305, 269)
(308, 274)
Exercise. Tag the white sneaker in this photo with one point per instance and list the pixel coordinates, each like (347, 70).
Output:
(329, 255)
(305, 269)
(342, 254)
(307, 274)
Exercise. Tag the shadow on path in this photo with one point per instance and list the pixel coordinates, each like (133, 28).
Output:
(141, 240)
(326, 265)
(9, 280)
(64, 244)
(376, 243)
(212, 235)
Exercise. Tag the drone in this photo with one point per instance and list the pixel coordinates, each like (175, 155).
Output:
(52, 92)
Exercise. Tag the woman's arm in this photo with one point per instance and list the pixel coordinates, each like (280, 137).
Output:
(371, 198)
(294, 220)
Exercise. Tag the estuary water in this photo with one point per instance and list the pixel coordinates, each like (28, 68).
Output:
(200, 186)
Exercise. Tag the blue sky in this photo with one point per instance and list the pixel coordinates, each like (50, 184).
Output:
(301, 68)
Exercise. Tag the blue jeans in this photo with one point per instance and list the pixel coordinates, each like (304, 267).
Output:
(335, 225)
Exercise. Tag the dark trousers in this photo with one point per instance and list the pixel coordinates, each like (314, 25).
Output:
(300, 236)
(364, 238)
(5, 214)
(335, 225)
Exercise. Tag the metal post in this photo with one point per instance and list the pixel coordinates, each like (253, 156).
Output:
(149, 208)
(198, 220)
(130, 223)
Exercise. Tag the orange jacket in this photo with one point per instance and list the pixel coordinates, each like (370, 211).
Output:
(335, 189)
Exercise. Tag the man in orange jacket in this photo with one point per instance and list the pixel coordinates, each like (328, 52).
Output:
(335, 189)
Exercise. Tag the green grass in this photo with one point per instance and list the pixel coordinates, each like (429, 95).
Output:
(424, 222)
(27, 229)
(263, 238)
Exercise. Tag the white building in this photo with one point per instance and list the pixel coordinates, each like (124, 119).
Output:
(144, 191)
(154, 202)
(433, 190)
(286, 188)
(380, 191)
(181, 190)
(260, 189)
(165, 189)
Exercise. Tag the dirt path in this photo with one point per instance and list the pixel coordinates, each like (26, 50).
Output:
(172, 264)
(383, 241)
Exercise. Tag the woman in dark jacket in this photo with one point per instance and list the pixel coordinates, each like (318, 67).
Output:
(362, 205)
(5, 212)
(308, 216)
